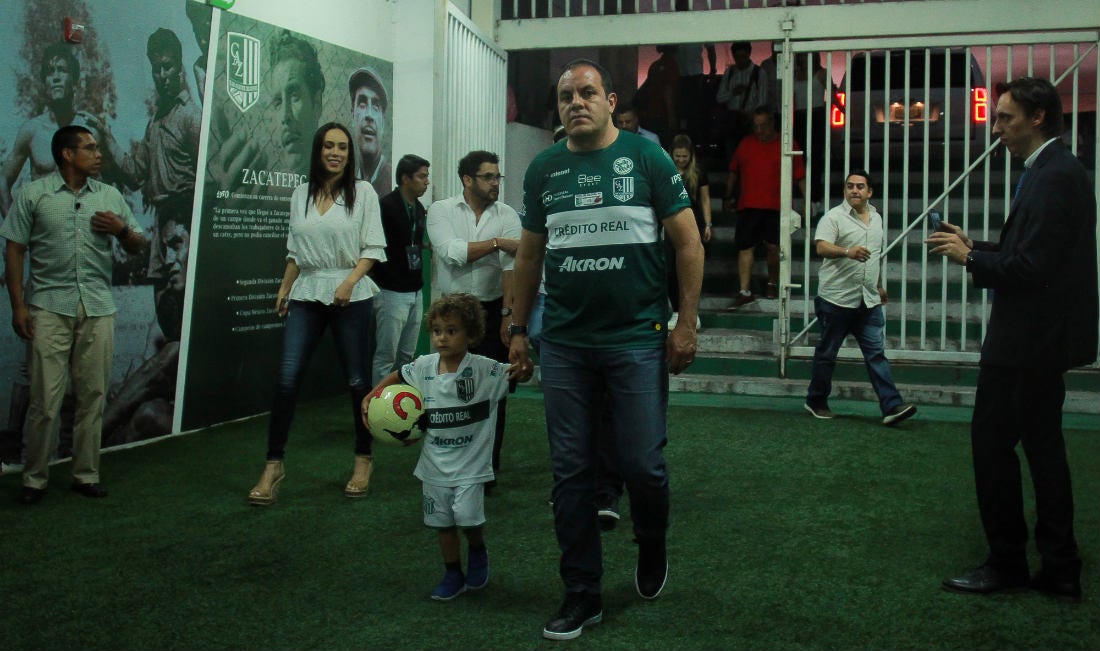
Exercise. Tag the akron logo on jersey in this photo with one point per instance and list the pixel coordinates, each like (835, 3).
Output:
(622, 165)
(622, 187)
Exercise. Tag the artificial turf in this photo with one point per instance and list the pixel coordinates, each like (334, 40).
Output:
(788, 533)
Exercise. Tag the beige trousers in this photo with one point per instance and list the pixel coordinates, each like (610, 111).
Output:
(88, 344)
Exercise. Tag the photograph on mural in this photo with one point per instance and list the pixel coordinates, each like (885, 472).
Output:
(134, 80)
(272, 88)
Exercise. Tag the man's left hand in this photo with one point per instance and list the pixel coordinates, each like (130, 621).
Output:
(949, 245)
(105, 221)
(680, 346)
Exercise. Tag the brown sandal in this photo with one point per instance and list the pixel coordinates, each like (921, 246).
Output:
(265, 491)
(359, 484)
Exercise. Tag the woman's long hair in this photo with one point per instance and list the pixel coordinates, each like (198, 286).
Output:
(318, 175)
(691, 172)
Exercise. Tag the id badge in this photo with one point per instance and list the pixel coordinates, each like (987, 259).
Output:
(412, 254)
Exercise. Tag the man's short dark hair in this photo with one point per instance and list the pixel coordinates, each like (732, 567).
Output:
(67, 137)
(605, 76)
(288, 47)
(768, 110)
(864, 174)
(409, 165)
(62, 51)
(1034, 94)
(470, 163)
(164, 41)
(741, 46)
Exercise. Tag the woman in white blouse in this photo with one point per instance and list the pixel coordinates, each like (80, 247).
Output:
(335, 237)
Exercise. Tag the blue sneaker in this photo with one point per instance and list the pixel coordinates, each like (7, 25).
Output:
(452, 585)
(477, 569)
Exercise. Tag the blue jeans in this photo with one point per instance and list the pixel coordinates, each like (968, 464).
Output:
(576, 382)
(305, 323)
(397, 317)
(868, 325)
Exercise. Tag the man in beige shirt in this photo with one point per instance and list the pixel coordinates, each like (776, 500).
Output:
(850, 238)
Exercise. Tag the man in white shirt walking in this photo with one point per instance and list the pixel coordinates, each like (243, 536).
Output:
(850, 297)
(474, 239)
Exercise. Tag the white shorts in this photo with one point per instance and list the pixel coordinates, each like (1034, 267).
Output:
(446, 507)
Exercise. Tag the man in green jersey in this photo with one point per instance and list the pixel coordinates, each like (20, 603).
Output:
(596, 207)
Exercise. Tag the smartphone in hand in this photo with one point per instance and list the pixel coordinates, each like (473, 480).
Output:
(935, 221)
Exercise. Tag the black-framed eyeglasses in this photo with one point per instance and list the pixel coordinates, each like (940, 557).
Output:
(91, 149)
(490, 178)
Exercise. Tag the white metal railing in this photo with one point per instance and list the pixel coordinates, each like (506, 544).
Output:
(521, 9)
(472, 102)
(933, 315)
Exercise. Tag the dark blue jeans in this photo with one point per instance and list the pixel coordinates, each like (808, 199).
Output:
(868, 326)
(576, 382)
(609, 486)
(306, 321)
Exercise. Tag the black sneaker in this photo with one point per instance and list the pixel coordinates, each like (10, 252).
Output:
(899, 413)
(608, 513)
(652, 571)
(578, 610)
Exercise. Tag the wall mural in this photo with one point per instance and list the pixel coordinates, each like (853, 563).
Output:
(137, 80)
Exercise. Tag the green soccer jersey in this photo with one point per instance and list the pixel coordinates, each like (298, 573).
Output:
(604, 269)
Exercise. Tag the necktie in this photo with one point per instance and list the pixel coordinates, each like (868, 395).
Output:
(1019, 184)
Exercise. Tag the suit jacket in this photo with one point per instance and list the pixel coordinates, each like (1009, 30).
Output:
(1043, 270)
(394, 274)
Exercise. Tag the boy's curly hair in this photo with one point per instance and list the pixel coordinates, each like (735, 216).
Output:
(466, 308)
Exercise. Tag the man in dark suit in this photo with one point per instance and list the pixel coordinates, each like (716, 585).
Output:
(1043, 322)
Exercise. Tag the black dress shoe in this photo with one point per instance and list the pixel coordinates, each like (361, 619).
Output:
(89, 490)
(28, 495)
(1063, 589)
(987, 579)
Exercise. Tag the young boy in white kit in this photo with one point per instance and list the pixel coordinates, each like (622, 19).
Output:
(461, 391)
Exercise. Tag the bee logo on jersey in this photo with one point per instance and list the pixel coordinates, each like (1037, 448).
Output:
(465, 385)
(622, 187)
(622, 165)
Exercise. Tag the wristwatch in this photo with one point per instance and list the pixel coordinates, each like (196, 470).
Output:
(123, 234)
(514, 330)
(506, 311)
(969, 259)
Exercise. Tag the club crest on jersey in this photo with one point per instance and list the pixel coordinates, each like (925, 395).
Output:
(465, 386)
(622, 187)
(622, 165)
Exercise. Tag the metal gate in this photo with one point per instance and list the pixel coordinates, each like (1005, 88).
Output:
(471, 104)
(918, 114)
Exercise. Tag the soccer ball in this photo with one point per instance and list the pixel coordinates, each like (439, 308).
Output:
(393, 413)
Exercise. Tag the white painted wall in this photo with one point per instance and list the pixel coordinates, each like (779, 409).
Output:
(399, 31)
